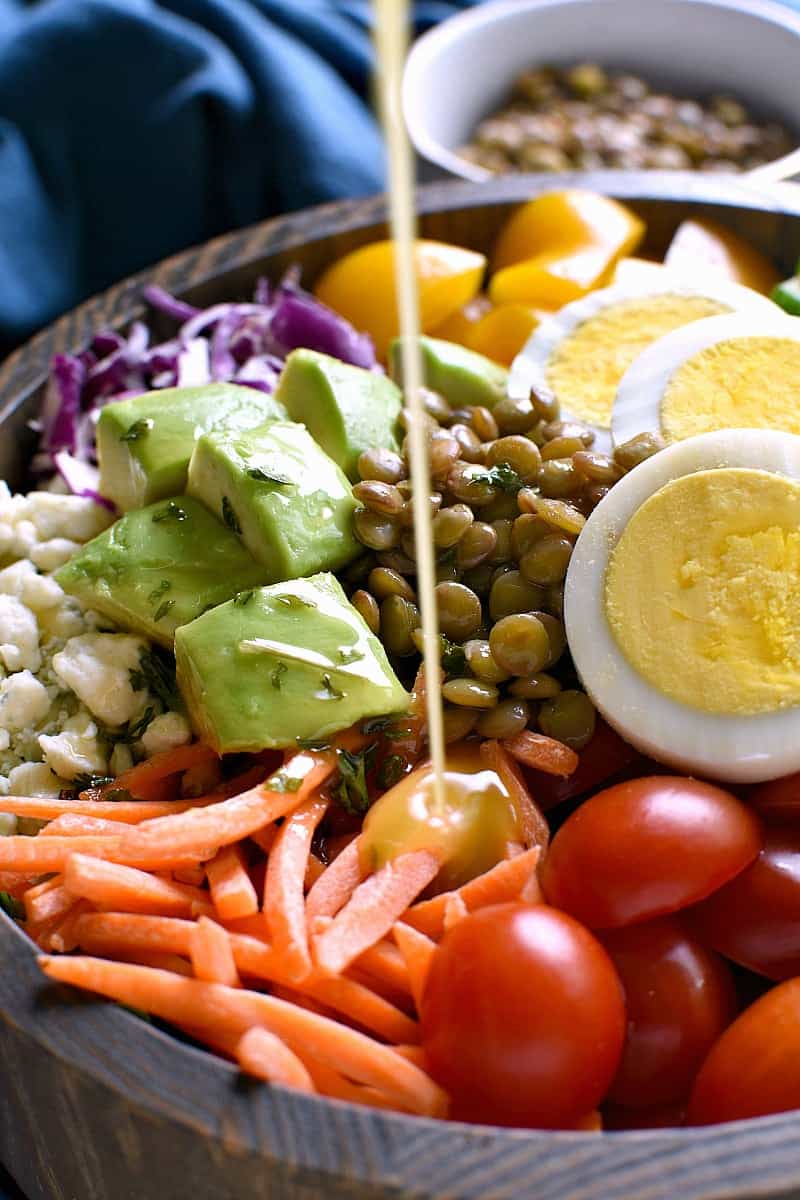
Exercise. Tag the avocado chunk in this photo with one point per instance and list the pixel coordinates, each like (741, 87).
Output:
(346, 409)
(289, 502)
(462, 376)
(159, 567)
(144, 443)
(282, 663)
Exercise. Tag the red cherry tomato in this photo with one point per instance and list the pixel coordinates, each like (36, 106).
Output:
(679, 997)
(778, 801)
(647, 847)
(522, 1017)
(754, 1068)
(603, 757)
(755, 919)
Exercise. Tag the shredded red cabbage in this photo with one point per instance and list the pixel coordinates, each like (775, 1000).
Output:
(244, 343)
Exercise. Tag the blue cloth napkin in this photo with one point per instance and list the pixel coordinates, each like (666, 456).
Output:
(132, 128)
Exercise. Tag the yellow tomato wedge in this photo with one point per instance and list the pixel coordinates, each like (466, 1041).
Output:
(550, 280)
(568, 221)
(502, 332)
(360, 286)
(459, 325)
(707, 244)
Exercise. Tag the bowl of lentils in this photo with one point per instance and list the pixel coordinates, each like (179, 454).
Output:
(592, 85)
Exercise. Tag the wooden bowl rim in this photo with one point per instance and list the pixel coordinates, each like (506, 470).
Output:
(270, 1121)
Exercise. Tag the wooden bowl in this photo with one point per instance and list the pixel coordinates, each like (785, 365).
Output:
(97, 1105)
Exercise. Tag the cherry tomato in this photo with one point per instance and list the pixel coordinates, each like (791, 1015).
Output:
(662, 1116)
(755, 919)
(647, 847)
(522, 1017)
(754, 1068)
(603, 757)
(777, 802)
(679, 997)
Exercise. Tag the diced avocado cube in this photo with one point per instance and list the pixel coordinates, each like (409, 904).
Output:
(290, 661)
(346, 409)
(462, 376)
(787, 295)
(289, 502)
(159, 567)
(144, 443)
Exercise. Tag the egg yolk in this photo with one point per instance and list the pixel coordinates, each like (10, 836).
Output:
(744, 383)
(702, 591)
(469, 836)
(588, 364)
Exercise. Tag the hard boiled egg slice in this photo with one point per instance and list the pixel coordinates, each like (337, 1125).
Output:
(682, 605)
(734, 371)
(580, 354)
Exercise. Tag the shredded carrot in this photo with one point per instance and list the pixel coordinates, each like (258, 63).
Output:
(142, 780)
(211, 953)
(542, 753)
(454, 911)
(418, 951)
(532, 821)
(232, 892)
(284, 893)
(61, 937)
(194, 874)
(331, 1083)
(314, 868)
(47, 901)
(112, 886)
(501, 883)
(211, 1005)
(159, 959)
(264, 838)
(255, 926)
(263, 1055)
(78, 825)
(413, 1054)
(129, 812)
(39, 856)
(373, 908)
(16, 882)
(333, 889)
(384, 963)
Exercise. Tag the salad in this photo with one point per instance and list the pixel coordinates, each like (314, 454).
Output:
(217, 805)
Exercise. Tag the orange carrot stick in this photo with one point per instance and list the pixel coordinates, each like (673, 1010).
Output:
(314, 868)
(140, 781)
(284, 898)
(77, 825)
(418, 951)
(211, 1006)
(333, 889)
(112, 886)
(332, 1084)
(262, 1054)
(61, 937)
(119, 934)
(501, 883)
(47, 901)
(193, 874)
(414, 1054)
(542, 753)
(232, 892)
(373, 908)
(454, 911)
(211, 953)
(265, 838)
(384, 963)
(532, 821)
(129, 812)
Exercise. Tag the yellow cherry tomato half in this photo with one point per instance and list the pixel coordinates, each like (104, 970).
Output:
(361, 286)
(501, 333)
(713, 247)
(567, 222)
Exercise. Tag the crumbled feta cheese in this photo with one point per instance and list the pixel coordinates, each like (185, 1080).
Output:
(20, 634)
(75, 517)
(97, 667)
(64, 622)
(34, 779)
(166, 732)
(51, 555)
(23, 701)
(14, 578)
(5, 740)
(40, 592)
(71, 753)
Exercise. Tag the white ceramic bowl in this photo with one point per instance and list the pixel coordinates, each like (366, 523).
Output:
(463, 69)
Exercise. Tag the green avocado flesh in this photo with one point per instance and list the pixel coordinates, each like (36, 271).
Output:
(462, 376)
(346, 409)
(294, 660)
(144, 443)
(290, 503)
(159, 567)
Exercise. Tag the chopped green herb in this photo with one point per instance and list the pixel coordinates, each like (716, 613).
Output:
(331, 692)
(129, 733)
(349, 654)
(242, 598)
(171, 512)
(159, 591)
(391, 770)
(13, 907)
(277, 675)
(352, 791)
(453, 658)
(156, 674)
(265, 476)
(312, 743)
(282, 782)
(229, 516)
(137, 430)
(504, 477)
(163, 609)
(82, 783)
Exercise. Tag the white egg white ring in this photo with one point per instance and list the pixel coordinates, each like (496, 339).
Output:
(637, 407)
(737, 749)
(529, 368)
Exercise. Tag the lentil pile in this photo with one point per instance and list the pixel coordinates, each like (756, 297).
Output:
(513, 489)
(582, 117)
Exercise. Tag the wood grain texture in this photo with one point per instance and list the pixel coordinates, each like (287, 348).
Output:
(97, 1105)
